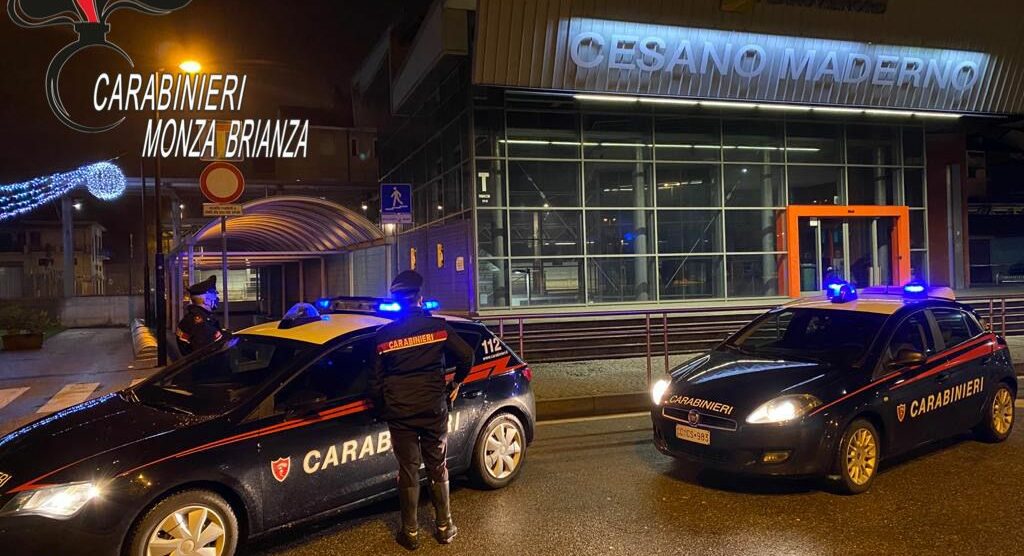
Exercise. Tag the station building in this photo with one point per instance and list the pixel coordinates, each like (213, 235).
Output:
(629, 152)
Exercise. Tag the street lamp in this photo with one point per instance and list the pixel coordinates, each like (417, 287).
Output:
(190, 66)
(187, 66)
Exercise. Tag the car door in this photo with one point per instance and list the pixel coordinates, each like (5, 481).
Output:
(324, 446)
(909, 424)
(959, 388)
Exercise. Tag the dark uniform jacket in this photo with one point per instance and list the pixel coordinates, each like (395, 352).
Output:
(197, 329)
(409, 371)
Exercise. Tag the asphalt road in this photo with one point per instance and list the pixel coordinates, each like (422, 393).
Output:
(599, 487)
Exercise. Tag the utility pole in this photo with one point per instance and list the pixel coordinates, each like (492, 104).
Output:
(68, 240)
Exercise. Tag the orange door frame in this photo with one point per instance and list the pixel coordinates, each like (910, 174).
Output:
(900, 235)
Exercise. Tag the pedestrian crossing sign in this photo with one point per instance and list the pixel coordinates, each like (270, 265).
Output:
(396, 203)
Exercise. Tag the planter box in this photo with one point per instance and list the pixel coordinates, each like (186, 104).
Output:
(16, 342)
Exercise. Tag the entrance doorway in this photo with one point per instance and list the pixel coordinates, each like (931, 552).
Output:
(864, 245)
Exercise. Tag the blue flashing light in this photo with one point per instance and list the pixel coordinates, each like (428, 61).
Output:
(915, 289)
(323, 303)
(389, 307)
(629, 236)
(301, 310)
(840, 292)
(431, 305)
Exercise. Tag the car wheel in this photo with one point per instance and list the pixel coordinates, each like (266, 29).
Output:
(194, 522)
(998, 421)
(857, 457)
(500, 451)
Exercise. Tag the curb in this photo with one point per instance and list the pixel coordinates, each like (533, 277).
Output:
(588, 406)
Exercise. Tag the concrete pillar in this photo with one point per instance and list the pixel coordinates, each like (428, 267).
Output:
(497, 187)
(768, 228)
(68, 244)
(640, 221)
(882, 257)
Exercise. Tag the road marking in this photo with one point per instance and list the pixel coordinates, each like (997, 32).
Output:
(7, 395)
(69, 395)
(593, 418)
(136, 381)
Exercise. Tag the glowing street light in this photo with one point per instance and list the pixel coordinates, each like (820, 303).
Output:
(190, 66)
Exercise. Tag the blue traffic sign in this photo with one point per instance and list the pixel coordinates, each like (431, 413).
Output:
(395, 203)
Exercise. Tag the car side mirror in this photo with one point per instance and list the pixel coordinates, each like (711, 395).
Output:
(907, 358)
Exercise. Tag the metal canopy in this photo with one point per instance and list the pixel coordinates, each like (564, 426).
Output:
(291, 224)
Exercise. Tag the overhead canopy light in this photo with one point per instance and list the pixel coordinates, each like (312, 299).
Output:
(625, 99)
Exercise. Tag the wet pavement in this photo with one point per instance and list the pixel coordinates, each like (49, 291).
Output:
(599, 487)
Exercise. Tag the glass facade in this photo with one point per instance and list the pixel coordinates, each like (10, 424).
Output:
(581, 203)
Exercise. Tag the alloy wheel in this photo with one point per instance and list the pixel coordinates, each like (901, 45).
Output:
(193, 530)
(503, 450)
(861, 456)
(1002, 411)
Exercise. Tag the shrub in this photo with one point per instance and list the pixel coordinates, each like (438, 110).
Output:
(15, 319)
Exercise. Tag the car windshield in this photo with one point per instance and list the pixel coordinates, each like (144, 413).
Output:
(832, 336)
(217, 380)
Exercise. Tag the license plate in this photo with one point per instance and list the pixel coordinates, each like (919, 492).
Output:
(691, 434)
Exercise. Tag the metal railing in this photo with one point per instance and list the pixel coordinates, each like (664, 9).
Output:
(660, 332)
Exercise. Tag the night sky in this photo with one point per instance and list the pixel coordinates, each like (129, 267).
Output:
(302, 51)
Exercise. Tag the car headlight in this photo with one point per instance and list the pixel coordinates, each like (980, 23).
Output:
(658, 390)
(783, 409)
(58, 502)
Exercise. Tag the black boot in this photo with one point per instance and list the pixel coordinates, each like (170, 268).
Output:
(408, 535)
(446, 529)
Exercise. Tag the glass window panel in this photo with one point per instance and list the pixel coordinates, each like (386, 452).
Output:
(492, 283)
(871, 186)
(814, 142)
(543, 135)
(814, 185)
(753, 185)
(620, 279)
(545, 233)
(619, 137)
(490, 131)
(686, 138)
(913, 187)
(491, 230)
(689, 231)
(913, 146)
(692, 277)
(752, 140)
(756, 275)
(546, 282)
(918, 229)
(619, 232)
(919, 265)
(872, 144)
(754, 230)
(543, 184)
(688, 185)
(452, 195)
(618, 184)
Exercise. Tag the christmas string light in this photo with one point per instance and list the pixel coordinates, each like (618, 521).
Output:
(104, 181)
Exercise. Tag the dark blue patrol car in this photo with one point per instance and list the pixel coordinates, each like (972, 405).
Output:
(263, 430)
(830, 386)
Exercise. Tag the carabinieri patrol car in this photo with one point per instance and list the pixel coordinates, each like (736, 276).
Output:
(263, 430)
(830, 386)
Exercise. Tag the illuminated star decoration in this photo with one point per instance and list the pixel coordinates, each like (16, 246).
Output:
(104, 180)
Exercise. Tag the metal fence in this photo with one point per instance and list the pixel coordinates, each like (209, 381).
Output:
(661, 332)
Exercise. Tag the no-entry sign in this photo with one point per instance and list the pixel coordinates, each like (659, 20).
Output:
(222, 182)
